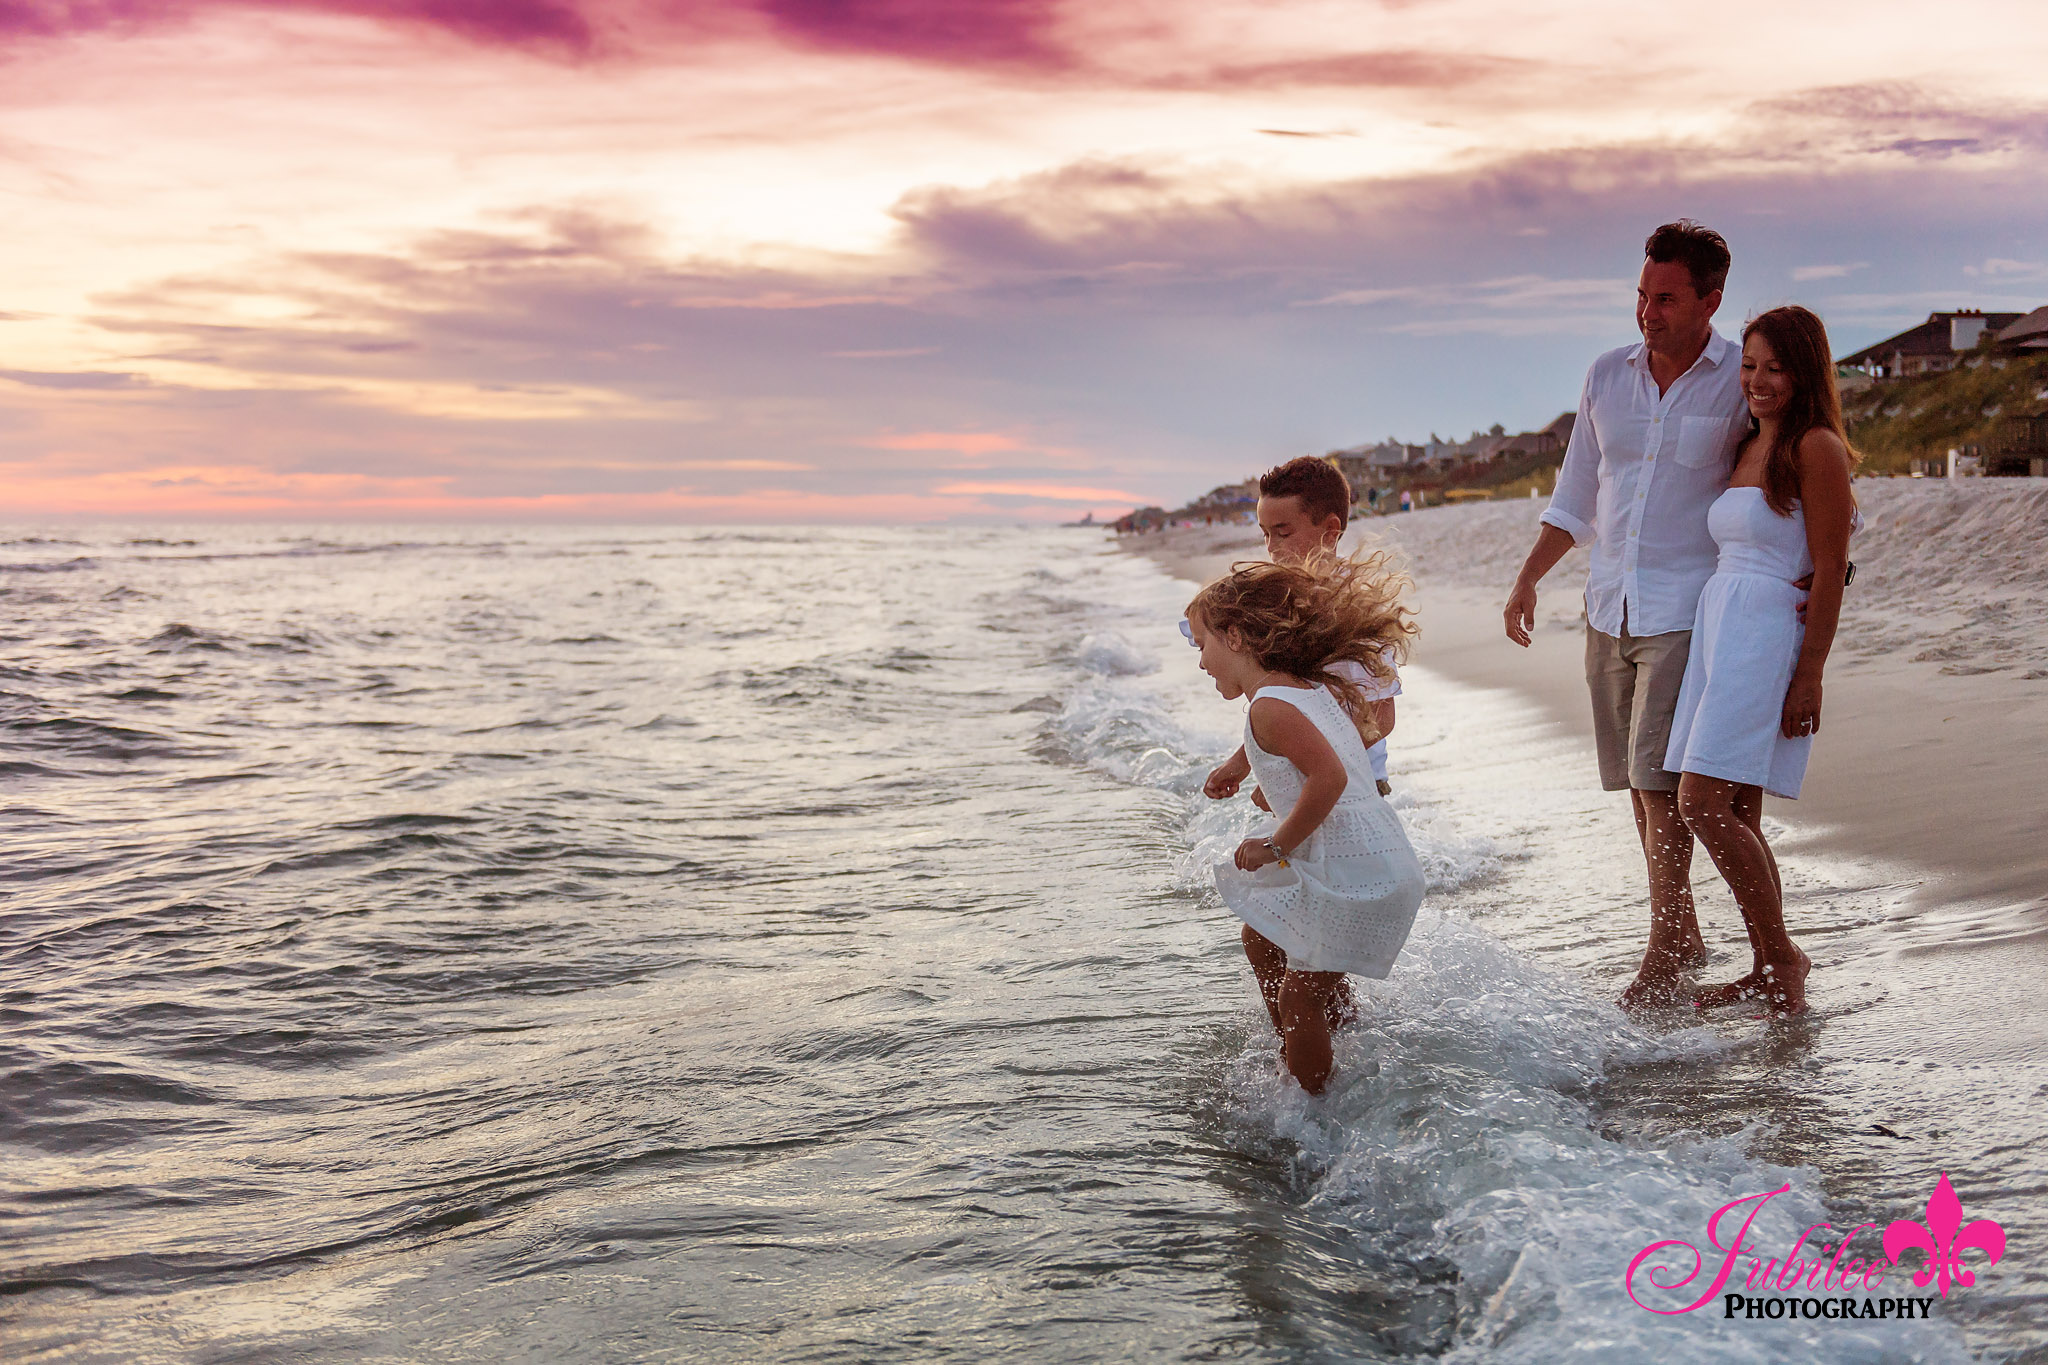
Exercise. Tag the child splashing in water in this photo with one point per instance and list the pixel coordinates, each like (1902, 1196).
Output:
(1334, 886)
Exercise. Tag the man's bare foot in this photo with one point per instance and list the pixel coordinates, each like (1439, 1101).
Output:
(1648, 991)
(1665, 974)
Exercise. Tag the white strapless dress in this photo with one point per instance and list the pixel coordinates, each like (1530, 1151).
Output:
(1348, 895)
(1746, 638)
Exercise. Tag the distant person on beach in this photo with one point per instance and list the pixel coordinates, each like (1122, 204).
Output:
(1750, 704)
(1333, 887)
(1655, 440)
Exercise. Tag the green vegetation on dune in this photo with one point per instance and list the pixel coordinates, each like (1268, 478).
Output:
(1900, 420)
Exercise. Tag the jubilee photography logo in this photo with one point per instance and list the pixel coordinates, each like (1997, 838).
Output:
(1817, 1277)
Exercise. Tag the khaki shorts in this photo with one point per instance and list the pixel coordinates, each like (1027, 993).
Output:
(1634, 680)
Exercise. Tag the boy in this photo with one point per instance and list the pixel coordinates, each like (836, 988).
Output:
(1304, 505)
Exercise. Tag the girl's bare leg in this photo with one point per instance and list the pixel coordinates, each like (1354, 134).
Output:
(1269, 965)
(1727, 817)
(1342, 1008)
(1305, 1029)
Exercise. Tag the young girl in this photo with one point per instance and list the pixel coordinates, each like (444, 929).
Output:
(1334, 886)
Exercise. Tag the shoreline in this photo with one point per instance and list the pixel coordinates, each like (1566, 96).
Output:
(1936, 689)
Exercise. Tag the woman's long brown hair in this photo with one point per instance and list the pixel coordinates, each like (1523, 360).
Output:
(1300, 619)
(1800, 343)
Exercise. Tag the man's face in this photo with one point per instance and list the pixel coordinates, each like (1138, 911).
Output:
(1672, 318)
(1289, 532)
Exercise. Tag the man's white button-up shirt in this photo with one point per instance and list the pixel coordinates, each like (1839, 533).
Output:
(1639, 475)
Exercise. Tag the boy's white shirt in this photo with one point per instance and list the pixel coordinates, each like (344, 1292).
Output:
(1375, 689)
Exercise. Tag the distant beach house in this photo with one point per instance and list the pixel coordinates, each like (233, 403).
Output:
(2028, 335)
(1935, 345)
(1371, 466)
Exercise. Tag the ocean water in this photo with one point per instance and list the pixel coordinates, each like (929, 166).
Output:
(664, 945)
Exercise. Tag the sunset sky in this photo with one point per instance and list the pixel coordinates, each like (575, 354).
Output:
(907, 260)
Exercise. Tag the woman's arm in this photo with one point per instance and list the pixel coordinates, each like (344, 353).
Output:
(1281, 729)
(1383, 716)
(1829, 506)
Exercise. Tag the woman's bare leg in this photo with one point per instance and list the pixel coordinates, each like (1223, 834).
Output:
(1749, 808)
(1727, 818)
(1305, 1029)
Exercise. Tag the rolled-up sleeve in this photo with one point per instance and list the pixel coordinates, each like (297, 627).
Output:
(1574, 504)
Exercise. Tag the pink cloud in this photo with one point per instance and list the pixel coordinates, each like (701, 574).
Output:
(958, 442)
(985, 32)
(1051, 491)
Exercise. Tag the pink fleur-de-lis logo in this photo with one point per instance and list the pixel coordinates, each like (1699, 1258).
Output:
(1939, 1239)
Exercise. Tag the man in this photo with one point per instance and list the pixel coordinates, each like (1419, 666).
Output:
(1657, 431)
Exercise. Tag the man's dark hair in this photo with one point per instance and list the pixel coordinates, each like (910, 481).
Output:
(1701, 250)
(1322, 490)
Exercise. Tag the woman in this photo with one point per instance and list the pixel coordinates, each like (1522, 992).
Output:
(1750, 703)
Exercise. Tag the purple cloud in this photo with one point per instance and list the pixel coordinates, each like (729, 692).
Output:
(1411, 69)
(987, 32)
(984, 32)
(75, 379)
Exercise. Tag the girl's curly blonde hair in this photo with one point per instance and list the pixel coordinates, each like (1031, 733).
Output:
(1301, 619)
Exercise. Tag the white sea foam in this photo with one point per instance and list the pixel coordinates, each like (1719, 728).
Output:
(1109, 652)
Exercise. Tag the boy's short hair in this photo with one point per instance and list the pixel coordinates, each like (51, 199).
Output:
(1323, 491)
(1701, 250)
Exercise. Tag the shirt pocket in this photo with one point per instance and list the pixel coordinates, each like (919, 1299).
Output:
(1705, 442)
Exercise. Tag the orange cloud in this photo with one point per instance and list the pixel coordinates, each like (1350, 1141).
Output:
(234, 492)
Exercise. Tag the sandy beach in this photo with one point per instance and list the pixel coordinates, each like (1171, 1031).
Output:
(1935, 717)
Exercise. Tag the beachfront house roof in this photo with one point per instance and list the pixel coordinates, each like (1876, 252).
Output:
(1561, 427)
(1392, 454)
(2028, 333)
(1929, 348)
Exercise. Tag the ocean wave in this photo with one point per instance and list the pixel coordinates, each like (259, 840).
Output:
(1110, 653)
(73, 565)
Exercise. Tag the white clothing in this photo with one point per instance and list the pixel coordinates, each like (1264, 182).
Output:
(1638, 477)
(1347, 895)
(1375, 690)
(1745, 641)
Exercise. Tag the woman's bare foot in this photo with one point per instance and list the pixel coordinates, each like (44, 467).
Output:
(1784, 984)
(1783, 990)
